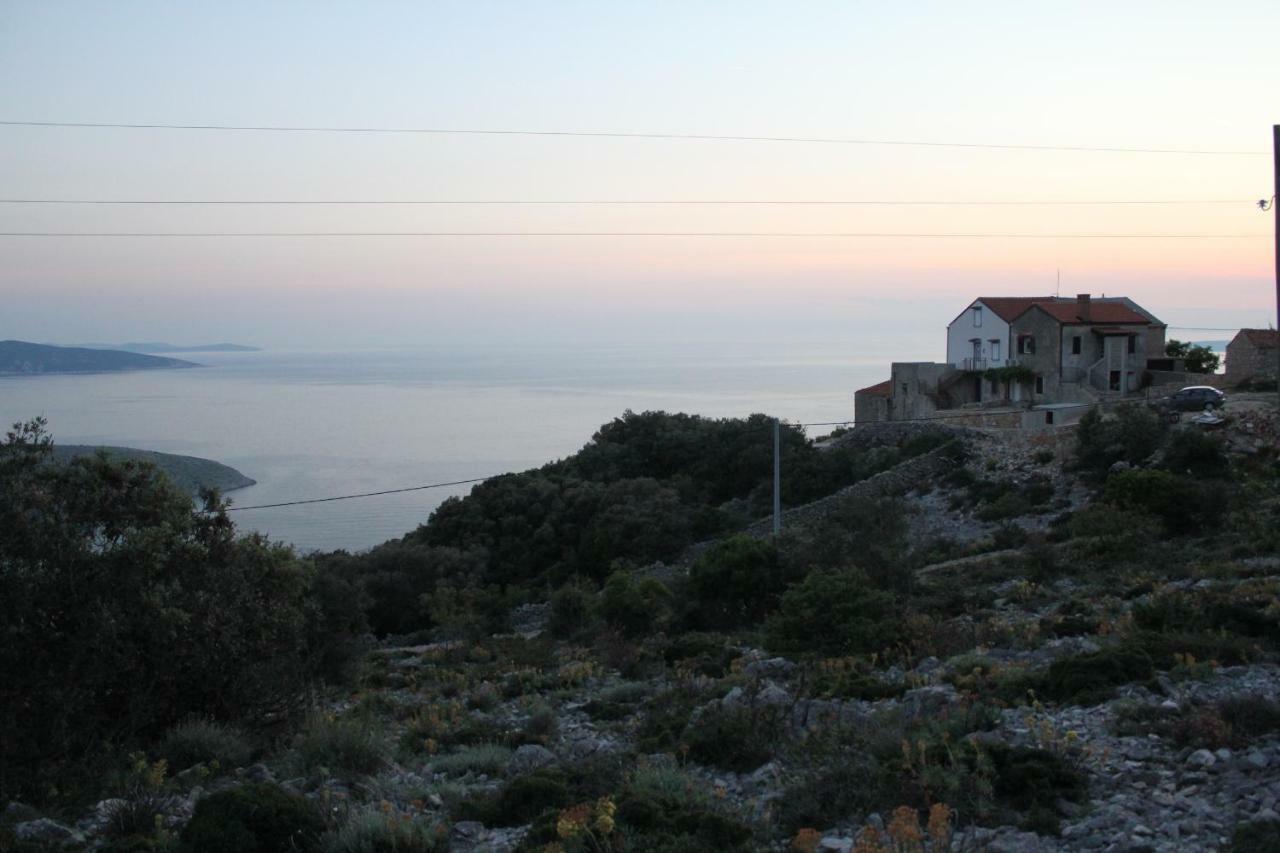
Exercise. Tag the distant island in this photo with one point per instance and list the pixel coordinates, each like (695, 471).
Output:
(23, 358)
(158, 347)
(190, 473)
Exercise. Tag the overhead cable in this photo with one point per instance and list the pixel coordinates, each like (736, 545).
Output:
(595, 134)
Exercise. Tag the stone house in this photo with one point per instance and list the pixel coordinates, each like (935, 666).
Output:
(1252, 356)
(1026, 352)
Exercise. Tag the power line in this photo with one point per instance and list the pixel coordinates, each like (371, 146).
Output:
(625, 202)
(966, 416)
(770, 234)
(362, 494)
(703, 137)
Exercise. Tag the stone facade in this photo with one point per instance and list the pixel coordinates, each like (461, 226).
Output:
(1251, 356)
(871, 404)
(1024, 353)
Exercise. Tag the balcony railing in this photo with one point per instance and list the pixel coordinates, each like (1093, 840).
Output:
(987, 363)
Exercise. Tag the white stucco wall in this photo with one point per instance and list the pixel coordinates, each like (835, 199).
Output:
(962, 331)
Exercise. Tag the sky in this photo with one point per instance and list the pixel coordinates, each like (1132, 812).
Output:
(1160, 75)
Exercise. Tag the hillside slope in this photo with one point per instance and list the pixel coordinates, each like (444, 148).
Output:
(23, 358)
(190, 473)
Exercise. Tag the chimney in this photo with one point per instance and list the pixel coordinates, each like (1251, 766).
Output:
(1082, 306)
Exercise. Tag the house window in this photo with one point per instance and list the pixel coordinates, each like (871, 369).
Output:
(995, 350)
(977, 316)
(1026, 345)
(1039, 384)
(1048, 417)
(1133, 344)
(1075, 345)
(1114, 383)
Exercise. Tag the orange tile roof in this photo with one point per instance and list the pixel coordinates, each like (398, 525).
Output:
(1062, 309)
(880, 389)
(1111, 313)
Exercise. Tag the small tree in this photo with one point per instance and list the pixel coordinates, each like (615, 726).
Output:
(1197, 357)
(126, 609)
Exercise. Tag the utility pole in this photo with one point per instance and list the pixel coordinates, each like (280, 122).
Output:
(777, 473)
(1275, 174)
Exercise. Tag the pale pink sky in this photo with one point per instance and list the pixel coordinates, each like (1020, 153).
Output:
(1150, 75)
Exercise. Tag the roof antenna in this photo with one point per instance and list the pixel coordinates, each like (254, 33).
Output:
(1057, 288)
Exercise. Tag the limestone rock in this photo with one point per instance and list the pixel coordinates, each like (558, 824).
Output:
(529, 758)
(45, 831)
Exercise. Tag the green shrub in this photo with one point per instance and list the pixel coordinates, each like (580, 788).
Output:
(830, 787)
(1196, 454)
(705, 653)
(205, 742)
(1026, 778)
(618, 701)
(735, 583)
(664, 808)
(866, 531)
(1111, 533)
(1214, 625)
(1250, 717)
(374, 831)
(633, 606)
(1258, 836)
(490, 759)
(1183, 505)
(1132, 436)
(350, 745)
(127, 610)
(1092, 678)
(834, 612)
(519, 801)
(737, 739)
(260, 818)
(571, 611)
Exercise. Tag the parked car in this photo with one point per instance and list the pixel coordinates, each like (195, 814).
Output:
(1195, 398)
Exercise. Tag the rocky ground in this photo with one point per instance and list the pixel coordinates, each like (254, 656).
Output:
(1172, 760)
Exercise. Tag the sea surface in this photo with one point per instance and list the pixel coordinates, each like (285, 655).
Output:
(320, 424)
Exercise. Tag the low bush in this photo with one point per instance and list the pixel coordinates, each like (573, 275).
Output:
(837, 776)
(703, 653)
(519, 801)
(1029, 779)
(1182, 504)
(572, 610)
(205, 742)
(375, 831)
(634, 606)
(1131, 436)
(665, 809)
(348, 745)
(834, 612)
(736, 583)
(1247, 611)
(616, 702)
(736, 739)
(1092, 678)
(1258, 836)
(490, 759)
(258, 818)
(1194, 453)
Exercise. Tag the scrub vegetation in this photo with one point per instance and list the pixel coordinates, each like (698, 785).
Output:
(602, 654)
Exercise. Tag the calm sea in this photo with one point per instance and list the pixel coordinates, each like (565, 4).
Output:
(316, 424)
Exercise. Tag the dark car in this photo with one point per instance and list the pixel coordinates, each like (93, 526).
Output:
(1196, 398)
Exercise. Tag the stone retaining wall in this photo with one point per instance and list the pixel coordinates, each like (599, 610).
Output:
(897, 480)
